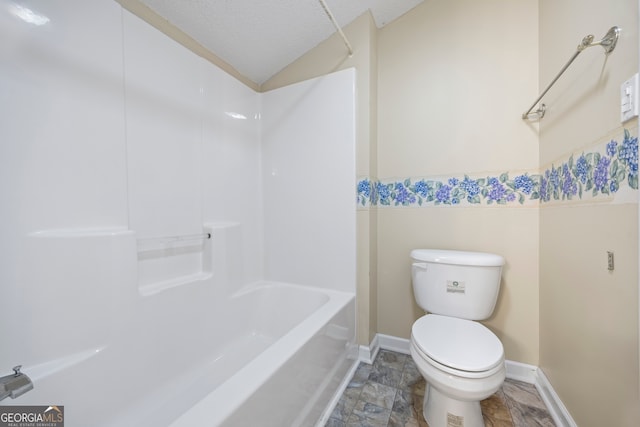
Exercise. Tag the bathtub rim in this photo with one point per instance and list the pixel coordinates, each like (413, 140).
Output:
(228, 397)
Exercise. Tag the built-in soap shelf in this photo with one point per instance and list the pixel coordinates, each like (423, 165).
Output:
(166, 262)
(171, 242)
(163, 262)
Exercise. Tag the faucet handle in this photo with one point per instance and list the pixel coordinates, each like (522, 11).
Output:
(16, 370)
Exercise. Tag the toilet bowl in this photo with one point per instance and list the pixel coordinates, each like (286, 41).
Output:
(462, 362)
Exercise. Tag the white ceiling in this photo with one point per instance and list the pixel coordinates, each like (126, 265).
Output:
(261, 37)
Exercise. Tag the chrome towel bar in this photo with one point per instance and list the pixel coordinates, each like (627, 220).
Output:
(608, 42)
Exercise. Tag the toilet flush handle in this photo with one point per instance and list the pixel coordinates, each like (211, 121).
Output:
(420, 265)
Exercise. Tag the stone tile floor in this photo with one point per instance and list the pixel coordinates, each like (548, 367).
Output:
(389, 393)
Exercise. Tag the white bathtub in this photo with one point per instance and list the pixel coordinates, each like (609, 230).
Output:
(258, 364)
(283, 366)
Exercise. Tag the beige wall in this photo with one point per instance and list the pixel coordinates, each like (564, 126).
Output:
(454, 78)
(588, 315)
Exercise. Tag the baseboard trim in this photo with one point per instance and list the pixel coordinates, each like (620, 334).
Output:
(521, 371)
(368, 354)
(515, 371)
(556, 408)
(388, 342)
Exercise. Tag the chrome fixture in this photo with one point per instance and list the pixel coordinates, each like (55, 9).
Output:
(608, 43)
(14, 385)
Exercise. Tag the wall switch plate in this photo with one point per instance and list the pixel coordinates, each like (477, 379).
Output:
(629, 99)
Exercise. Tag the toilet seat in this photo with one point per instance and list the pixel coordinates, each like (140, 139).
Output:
(462, 346)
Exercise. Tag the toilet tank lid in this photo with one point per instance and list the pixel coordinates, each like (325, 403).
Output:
(442, 256)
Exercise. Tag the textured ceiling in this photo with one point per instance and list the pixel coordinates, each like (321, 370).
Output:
(261, 37)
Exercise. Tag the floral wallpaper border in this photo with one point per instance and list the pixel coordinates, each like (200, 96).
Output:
(602, 172)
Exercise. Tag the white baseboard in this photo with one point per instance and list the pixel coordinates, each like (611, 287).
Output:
(388, 342)
(521, 371)
(556, 408)
(515, 371)
(368, 354)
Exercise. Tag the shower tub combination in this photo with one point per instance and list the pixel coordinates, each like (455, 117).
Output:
(192, 353)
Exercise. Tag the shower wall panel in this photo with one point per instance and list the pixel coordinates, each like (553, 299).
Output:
(308, 136)
(62, 167)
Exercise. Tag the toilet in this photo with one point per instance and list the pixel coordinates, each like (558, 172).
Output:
(461, 360)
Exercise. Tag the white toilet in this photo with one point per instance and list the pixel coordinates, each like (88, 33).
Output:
(461, 360)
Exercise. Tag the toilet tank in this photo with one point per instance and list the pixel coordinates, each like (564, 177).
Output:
(456, 283)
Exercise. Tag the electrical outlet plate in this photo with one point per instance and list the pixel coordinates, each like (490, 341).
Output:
(629, 99)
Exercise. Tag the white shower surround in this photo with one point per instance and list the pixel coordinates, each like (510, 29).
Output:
(119, 134)
(308, 172)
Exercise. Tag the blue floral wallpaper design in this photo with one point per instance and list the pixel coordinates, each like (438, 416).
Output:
(593, 174)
